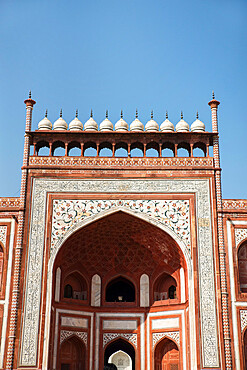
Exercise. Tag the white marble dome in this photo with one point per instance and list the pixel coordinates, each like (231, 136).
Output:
(152, 125)
(167, 126)
(136, 125)
(91, 125)
(121, 125)
(197, 125)
(106, 125)
(60, 123)
(75, 124)
(182, 126)
(45, 123)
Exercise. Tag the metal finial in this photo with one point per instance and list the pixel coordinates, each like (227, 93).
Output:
(136, 113)
(106, 113)
(46, 113)
(61, 113)
(197, 115)
(76, 113)
(182, 116)
(166, 115)
(152, 114)
(30, 94)
(121, 115)
(213, 97)
(91, 114)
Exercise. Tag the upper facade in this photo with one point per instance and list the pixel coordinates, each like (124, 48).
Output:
(120, 249)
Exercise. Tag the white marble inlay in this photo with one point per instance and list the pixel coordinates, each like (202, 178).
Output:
(74, 321)
(165, 323)
(120, 324)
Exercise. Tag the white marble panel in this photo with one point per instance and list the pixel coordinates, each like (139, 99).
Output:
(76, 322)
(120, 324)
(165, 323)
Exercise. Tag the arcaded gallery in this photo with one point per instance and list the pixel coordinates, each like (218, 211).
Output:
(120, 251)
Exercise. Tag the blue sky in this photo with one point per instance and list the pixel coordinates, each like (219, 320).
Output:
(112, 54)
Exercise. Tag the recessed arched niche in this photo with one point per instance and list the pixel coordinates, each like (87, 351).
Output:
(242, 267)
(75, 287)
(120, 290)
(165, 288)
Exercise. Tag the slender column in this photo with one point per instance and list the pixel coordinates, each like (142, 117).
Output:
(66, 149)
(113, 149)
(160, 150)
(82, 151)
(144, 150)
(50, 152)
(129, 150)
(20, 231)
(191, 150)
(176, 150)
(222, 259)
(207, 152)
(97, 147)
(34, 149)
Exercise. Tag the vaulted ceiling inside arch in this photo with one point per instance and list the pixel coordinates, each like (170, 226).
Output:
(120, 242)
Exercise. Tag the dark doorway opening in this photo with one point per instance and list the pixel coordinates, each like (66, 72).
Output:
(120, 345)
(120, 290)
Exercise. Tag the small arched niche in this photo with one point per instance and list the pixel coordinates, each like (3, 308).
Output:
(245, 348)
(120, 290)
(165, 288)
(242, 267)
(72, 354)
(166, 355)
(75, 287)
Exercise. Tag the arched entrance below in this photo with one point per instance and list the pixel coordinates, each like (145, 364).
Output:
(166, 356)
(245, 349)
(72, 355)
(121, 354)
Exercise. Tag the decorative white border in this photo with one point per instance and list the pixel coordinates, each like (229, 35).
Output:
(234, 304)
(36, 246)
(131, 337)
(170, 334)
(5, 302)
(65, 334)
(240, 235)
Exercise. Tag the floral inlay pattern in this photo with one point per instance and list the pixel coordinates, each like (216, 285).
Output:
(107, 337)
(240, 235)
(172, 213)
(243, 319)
(171, 334)
(69, 333)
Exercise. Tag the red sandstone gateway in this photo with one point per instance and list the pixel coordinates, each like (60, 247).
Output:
(120, 252)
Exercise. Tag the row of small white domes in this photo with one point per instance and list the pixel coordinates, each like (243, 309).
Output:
(121, 125)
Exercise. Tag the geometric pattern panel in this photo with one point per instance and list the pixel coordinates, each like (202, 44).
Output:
(64, 334)
(240, 235)
(171, 334)
(172, 213)
(107, 337)
(42, 186)
(243, 319)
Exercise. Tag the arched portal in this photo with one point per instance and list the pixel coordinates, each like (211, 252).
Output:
(242, 267)
(120, 353)
(72, 355)
(245, 349)
(166, 355)
(117, 248)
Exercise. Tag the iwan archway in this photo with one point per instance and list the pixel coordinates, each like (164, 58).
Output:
(146, 263)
